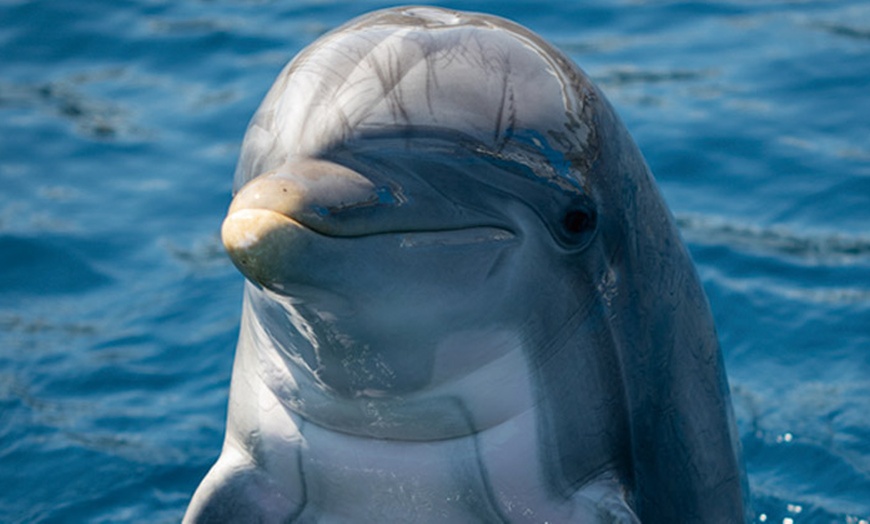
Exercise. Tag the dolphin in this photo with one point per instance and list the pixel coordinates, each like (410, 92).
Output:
(466, 299)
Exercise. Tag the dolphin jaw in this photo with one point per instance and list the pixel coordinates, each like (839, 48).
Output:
(244, 228)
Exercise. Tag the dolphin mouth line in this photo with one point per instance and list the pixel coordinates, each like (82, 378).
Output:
(455, 237)
(408, 238)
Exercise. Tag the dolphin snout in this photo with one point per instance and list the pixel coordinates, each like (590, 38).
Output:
(258, 242)
(317, 194)
(273, 219)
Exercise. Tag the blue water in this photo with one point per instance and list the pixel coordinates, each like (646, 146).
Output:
(120, 122)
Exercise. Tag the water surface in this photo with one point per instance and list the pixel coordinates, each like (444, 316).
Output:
(120, 124)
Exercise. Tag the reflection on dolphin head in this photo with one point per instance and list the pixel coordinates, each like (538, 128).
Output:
(477, 78)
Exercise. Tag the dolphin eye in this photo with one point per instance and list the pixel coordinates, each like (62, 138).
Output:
(577, 221)
(577, 225)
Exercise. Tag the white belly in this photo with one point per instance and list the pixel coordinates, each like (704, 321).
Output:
(494, 476)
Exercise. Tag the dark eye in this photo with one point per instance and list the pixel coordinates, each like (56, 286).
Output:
(577, 221)
(577, 225)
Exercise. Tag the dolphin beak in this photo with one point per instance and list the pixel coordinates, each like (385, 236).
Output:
(274, 216)
(316, 193)
(258, 241)
(284, 228)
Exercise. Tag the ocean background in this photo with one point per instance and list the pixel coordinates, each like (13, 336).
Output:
(120, 124)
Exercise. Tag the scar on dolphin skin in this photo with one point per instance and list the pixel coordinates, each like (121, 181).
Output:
(466, 299)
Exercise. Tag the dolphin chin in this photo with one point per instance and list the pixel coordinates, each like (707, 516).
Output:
(466, 298)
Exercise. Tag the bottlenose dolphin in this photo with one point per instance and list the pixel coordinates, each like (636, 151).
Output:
(466, 298)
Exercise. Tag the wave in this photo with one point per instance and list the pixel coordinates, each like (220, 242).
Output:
(94, 118)
(817, 248)
(624, 76)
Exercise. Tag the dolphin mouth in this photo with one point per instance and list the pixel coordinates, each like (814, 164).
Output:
(273, 249)
(244, 227)
(448, 235)
(315, 222)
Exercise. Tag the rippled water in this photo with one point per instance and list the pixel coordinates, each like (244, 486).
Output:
(120, 123)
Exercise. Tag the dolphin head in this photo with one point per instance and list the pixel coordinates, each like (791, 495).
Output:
(445, 226)
(411, 176)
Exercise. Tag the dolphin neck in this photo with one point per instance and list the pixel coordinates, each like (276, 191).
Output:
(460, 397)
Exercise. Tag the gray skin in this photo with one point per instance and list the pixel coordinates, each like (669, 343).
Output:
(466, 298)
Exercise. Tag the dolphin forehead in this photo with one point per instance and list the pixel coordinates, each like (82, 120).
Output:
(480, 77)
